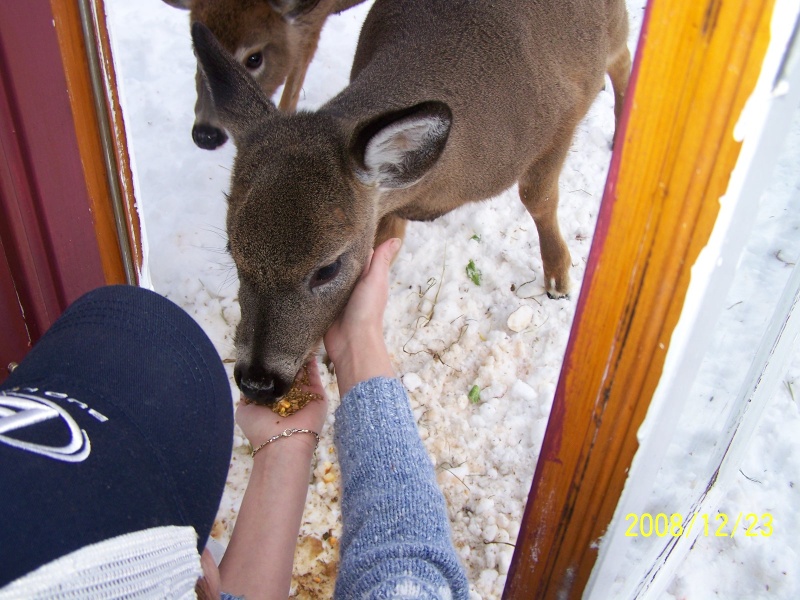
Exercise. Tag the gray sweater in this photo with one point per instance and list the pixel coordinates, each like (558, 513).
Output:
(396, 540)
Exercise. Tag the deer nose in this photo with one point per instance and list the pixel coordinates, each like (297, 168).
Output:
(259, 385)
(208, 137)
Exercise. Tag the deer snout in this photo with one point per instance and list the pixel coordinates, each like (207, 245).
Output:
(259, 385)
(208, 137)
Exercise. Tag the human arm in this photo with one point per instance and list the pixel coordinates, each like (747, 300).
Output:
(396, 531)
(259, 557)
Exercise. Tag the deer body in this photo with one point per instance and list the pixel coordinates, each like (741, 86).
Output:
(450, 101)
(274, 40)
(513, 98)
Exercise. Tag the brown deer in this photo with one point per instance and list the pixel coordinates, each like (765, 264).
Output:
(274, 40)
(449, 102)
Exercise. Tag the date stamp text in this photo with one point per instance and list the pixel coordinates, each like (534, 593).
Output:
(718, 525)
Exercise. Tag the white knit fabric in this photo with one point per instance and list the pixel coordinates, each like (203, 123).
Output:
(161, 562)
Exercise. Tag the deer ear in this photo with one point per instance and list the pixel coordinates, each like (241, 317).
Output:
(238, 100)
(397, 149)
(291, 9)
(184, 4)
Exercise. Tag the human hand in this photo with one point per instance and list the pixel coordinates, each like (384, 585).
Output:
(355, 341)
(259, 423)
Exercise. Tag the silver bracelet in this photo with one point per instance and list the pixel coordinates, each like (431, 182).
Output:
(287, 433)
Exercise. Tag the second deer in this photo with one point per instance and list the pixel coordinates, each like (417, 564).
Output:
(274, 40)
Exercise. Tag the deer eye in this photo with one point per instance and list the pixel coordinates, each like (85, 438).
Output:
(326, 274)
(254, 61)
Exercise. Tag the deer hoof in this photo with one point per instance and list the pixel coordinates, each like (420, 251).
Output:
(557, 296)
(558, 288)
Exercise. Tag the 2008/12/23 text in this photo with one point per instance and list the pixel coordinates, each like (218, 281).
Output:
(719, 525)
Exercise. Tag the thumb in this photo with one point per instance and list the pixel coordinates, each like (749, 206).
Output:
(385, 253)
(381, 259)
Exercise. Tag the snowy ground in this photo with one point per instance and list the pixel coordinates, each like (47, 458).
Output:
(449, 334)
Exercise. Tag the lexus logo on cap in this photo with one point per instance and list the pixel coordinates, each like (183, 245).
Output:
(20, 412)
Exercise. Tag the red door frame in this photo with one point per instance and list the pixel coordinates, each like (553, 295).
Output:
(47, 233)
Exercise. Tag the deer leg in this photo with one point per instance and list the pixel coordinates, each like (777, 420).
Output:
(291, 90)
(618, 63)
(297, 73)
(538, 190)
(619, 70)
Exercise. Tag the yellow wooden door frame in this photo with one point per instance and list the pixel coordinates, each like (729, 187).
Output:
(89, 69)
(696, 65)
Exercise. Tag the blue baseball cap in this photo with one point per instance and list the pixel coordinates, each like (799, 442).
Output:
(119, 420)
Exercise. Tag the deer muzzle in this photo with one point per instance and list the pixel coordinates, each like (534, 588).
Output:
(260, 385)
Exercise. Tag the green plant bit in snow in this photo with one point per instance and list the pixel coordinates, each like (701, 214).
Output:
(474, 394)
(473, 273)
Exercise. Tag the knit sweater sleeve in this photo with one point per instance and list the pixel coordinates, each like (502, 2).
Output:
(396, 540)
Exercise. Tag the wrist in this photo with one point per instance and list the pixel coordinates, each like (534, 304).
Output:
(291, 442)
(359, 363)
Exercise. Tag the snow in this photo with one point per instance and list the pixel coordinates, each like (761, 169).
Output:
(448, 334)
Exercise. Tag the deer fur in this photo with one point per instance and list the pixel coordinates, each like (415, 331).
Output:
(449, 102)
(274, 40)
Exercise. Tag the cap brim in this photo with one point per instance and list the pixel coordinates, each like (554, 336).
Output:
(119, 419)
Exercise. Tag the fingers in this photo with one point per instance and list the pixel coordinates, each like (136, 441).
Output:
(362, 318)
(370, 294)
(210, 581)
(367, 265)
(314, 380)
(376, 272)
(383, 255)
(391, 247)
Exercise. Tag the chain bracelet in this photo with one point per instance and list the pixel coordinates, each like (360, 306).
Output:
(287, 433)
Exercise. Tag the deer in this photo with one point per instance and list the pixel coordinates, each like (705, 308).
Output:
(449, 102)
(274, 40)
